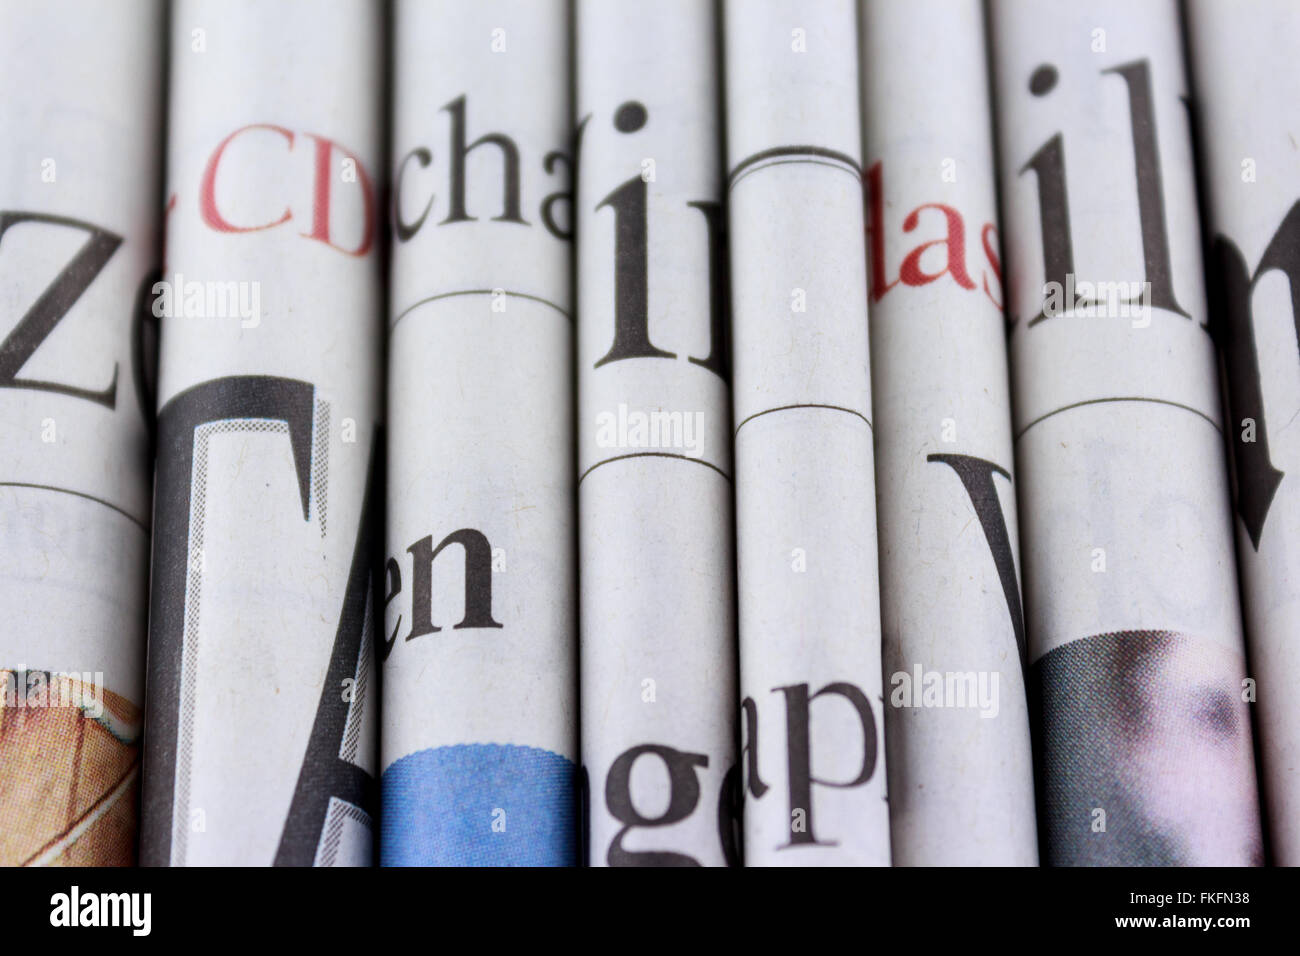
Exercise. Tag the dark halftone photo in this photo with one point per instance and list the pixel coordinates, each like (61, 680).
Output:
(1145, 753)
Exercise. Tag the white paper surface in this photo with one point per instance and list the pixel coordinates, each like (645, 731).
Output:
(806, 533)
(1131, 603)
(1247, 90)
(79, 186)
(262, 693)
(480, 715)
(960, 761)
(657, 649)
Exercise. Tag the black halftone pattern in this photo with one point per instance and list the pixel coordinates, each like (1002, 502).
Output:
(357, 712)
(1125, 719)
(320, 466)
(339, 813)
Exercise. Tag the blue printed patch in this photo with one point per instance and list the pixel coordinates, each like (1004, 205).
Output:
(440, 807)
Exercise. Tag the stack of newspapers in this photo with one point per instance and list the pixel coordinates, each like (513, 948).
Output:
(674, 433)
